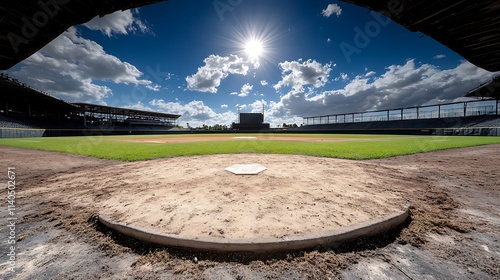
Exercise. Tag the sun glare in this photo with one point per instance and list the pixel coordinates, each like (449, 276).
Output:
(254, 48)
(255, 40)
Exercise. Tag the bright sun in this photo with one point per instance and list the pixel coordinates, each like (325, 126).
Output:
(254, 48)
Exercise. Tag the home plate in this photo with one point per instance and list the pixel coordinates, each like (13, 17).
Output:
(246, 169)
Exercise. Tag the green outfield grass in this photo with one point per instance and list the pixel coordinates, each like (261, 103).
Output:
(360, 146)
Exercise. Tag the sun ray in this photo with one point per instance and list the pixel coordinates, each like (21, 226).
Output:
(256, 39)
(254, 48)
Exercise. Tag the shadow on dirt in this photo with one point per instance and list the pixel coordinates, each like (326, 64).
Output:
(144, 248)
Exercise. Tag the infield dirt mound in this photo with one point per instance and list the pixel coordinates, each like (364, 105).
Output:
(195, 197)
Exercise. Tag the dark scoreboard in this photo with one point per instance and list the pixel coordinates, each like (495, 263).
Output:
(251, 118)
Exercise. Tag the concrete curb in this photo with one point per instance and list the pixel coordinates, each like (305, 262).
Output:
(262, 245)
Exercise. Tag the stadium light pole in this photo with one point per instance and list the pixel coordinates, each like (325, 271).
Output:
(239, 117)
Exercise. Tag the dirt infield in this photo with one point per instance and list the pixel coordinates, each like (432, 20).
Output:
(195, 197)
(454, 194)
(187, 139)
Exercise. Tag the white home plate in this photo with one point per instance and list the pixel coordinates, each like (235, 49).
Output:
(246, 169)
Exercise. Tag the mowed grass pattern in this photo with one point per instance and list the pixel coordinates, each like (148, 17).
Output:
(354, 146)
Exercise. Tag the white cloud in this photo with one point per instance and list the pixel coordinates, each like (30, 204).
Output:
(233, 93)
(139, 106)
(369, 74)
(297, 74)
(170, 76)
(217, 68)
(440, 56)
(196, 113)
(264, 83)
(245, 90)
(256, 106)
(269, 116)
(120, 22)
(343, 77)
(332, 9)
(69, 66)
(400, 86)
(153, 87)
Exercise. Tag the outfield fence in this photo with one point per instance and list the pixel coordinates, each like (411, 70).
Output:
(472, 131)
(21, 132)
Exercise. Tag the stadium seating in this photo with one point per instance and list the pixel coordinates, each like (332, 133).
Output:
(456, 122)
(7, 122)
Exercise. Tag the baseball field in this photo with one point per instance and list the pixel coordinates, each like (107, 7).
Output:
(313, 183)
(135, 148)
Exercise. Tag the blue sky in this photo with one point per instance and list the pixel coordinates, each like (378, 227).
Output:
(202, 59)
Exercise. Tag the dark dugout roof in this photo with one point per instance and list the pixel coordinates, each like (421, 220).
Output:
(470, 28)
(28, 25)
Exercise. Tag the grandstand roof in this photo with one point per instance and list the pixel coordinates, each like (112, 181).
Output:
(28, 25)
(122, 111)
(12, 90)
(490, 89)
(470, 28)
